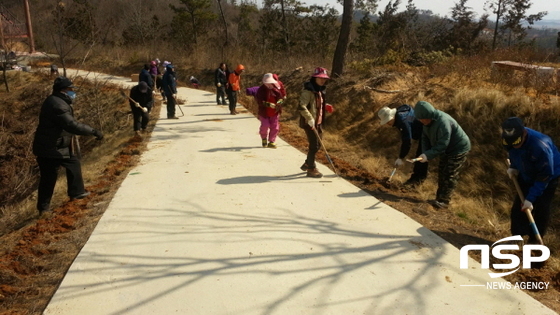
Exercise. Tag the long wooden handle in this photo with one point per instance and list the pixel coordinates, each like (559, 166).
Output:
(532, 223)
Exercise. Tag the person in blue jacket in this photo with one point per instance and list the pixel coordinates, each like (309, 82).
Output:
(404, 120)
(535, 162)
(169, 87)
(145, 76)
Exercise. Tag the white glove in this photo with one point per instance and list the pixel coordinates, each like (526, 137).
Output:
(144, 109)
(175, 96)
(527, 205)
(311, 123)
(219, 84)
(512, 173)
(137, 104)
(399, 162)
(423, 158)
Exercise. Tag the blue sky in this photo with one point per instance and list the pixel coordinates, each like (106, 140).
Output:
(443, 7)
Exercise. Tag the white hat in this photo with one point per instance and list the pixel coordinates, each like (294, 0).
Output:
(269, 79)
(386, 114)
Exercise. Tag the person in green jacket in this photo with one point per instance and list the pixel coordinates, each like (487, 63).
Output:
(442, 136)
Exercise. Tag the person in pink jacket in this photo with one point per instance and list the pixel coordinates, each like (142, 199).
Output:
(269, 98)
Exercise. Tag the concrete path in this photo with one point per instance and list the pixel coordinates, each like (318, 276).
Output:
(212, 223)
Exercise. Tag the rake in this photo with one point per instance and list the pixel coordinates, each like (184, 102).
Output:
(325, 149)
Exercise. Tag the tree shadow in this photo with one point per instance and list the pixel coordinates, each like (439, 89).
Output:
(335, 255)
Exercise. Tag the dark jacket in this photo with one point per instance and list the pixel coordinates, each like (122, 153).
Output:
(311, 95)
(220, 77)
(146, 77)
(145, 99)
(537, 160)
(169, 83)
(443, 135)
(409, 127)
(56, 128)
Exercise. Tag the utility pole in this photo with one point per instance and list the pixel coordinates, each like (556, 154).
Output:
(29, 28)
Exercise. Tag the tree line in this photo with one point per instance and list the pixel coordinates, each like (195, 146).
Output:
(279, 30)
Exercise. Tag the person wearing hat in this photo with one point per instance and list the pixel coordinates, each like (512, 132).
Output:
(535, 162)
(169, 86)
(154, 72)
(233, 87)
(194, 81)
(141, 102)
(55, 144)
(312, 107)
(269, 98)
(442, 137)
(404, 120)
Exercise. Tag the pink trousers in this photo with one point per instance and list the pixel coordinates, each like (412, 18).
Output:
(269, 123)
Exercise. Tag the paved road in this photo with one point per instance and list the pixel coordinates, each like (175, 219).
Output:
(212, 223)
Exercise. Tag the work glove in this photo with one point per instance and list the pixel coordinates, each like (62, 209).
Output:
(269, 104)
(98, 134)
(512, 173)
(175, 96)
(527, 205)
(144, 109)
(219, 84)
(329, 108)
(399, 162)
(280, 101)
(423, 158)
(311, 123)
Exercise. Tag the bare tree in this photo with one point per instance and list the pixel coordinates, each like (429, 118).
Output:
(511, 14)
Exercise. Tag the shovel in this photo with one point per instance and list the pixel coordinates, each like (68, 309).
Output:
(392, 173)
(144, 109)
(177, 103)
(527, 211)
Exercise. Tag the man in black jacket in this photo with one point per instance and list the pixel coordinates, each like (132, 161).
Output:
(55, 144)
(220, 80)
(141, 102)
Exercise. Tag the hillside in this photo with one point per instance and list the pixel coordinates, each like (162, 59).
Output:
(37, 251)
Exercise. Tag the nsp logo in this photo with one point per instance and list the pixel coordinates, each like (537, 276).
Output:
(497, 253)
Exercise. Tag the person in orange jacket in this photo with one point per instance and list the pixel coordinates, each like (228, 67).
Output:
(233, 87)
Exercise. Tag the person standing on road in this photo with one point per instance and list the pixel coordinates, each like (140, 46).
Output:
(55, 144)
(535, 163)
(234, 85)
(169, 86)
(146, 76)
(220, 81)
(404, 120)
(442, 136)
(141, 102)
(312, 107)
(154, 72)
(269, 98)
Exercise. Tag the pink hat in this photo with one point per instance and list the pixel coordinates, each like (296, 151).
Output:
(320, 73)
(269, 79)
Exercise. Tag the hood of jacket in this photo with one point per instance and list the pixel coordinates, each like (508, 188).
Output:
(425, 110)
(239, 68)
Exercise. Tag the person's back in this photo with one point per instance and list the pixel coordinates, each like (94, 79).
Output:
(443, 135)
(146, 76)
